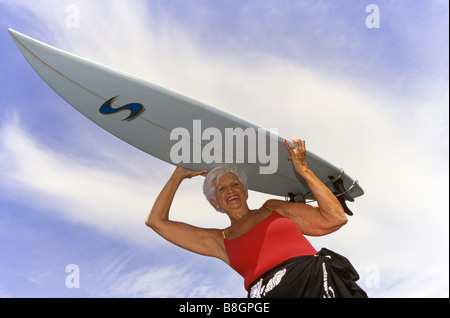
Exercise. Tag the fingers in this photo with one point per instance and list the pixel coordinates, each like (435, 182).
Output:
(190, 173)
(297, 154)
(288, 146)
(299, 144)
(199, 173)
(187, 174)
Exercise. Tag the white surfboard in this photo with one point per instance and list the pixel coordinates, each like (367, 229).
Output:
(176, 128)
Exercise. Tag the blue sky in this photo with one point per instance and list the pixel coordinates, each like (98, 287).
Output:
(372, 101)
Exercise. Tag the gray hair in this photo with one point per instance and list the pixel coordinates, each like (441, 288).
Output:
(212, 179)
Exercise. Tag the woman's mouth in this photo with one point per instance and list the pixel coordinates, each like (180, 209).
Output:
(232, 197)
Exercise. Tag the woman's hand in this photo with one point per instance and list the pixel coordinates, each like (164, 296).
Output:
(297, 155)
(181, 173)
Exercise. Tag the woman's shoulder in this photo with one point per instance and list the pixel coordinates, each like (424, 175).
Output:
(282, 207)
(276, 205)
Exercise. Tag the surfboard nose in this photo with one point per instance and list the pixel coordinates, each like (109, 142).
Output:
(12, 31)
(28, 46)
(15, 35)
(22, 41)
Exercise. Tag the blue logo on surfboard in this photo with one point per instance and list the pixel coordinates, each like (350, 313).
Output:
(135, 109)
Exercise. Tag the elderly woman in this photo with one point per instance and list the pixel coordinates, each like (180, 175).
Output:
(267, 245)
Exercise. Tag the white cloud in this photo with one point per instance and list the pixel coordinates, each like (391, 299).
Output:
(108, 200)
(110, 197)
(163, 282)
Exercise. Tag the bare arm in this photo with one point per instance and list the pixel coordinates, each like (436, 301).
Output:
(198, 240)
(328, 216)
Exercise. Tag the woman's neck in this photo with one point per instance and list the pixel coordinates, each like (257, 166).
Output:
(239, 215)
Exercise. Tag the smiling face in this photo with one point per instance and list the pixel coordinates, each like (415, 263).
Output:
(230, 194)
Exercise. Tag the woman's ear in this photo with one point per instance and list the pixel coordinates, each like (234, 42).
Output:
(214, 204)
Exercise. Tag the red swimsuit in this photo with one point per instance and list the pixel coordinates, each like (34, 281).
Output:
(270, 242)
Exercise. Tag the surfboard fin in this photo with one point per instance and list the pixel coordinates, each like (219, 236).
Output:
(344, 205)
(342, 195)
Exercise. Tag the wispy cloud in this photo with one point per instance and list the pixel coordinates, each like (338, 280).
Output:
(110, 201)
(171, 281)
(111, 198)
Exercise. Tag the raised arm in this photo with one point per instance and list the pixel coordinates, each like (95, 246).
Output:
(328, 216)
(198, 240)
